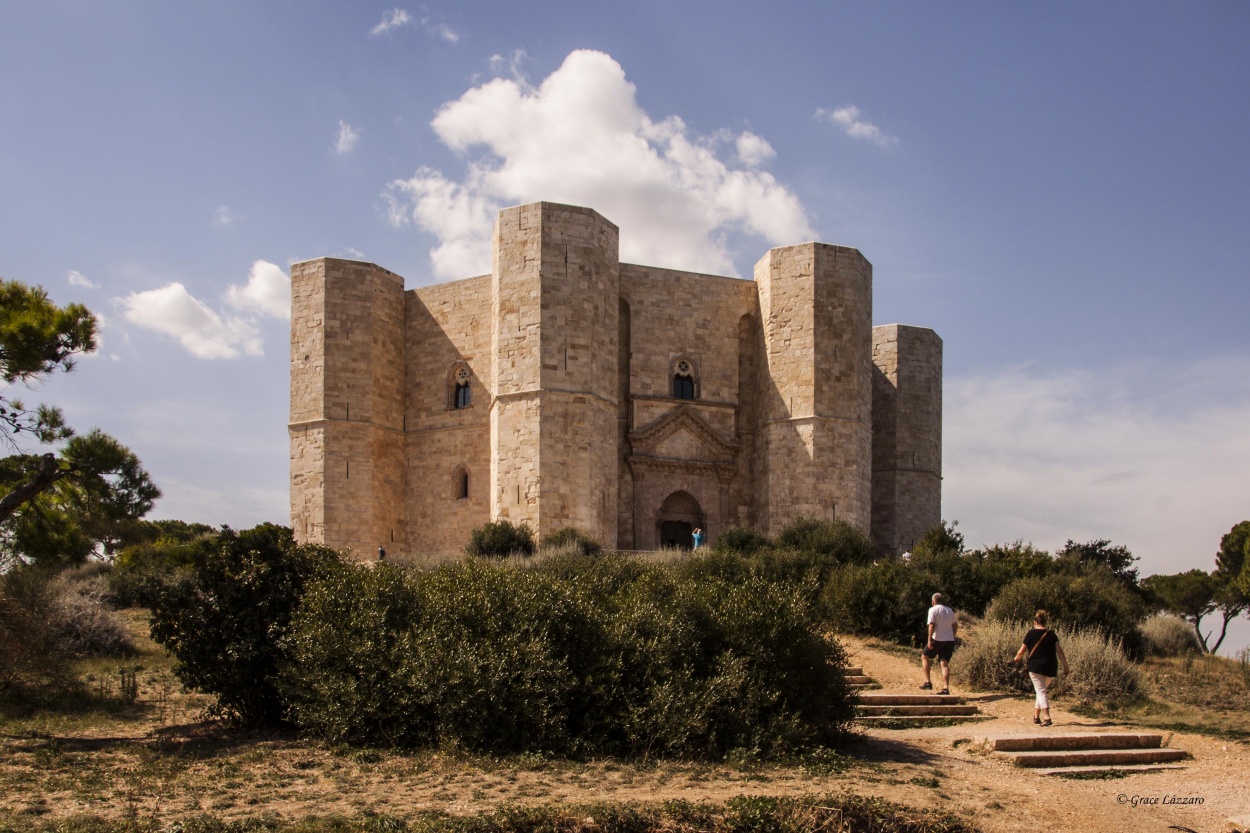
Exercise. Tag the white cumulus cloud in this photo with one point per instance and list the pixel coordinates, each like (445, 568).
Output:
(345, 141)
(1152, 457)
(850, 119)
(204, 332)
(77, 278)
(754, 150)
(174, 312)
(580, 137)
(392, 19)
(267, 291)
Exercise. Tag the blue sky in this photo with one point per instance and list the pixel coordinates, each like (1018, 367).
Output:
(1062, 191)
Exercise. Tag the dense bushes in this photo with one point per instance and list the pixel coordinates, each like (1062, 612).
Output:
(888, 599)
(1094, 599)
(500, 539)
(569, 657)
(224, 621)
(162, 556)
(571, 540)
(837, 541)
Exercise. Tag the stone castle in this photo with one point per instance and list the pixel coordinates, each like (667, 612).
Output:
(635, 403)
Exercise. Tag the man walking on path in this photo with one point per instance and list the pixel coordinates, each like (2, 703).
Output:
(940, 644)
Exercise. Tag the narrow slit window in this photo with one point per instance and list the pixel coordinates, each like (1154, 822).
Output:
(462, 485)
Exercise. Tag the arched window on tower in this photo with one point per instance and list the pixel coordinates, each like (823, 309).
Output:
(460, 483)
(461, 386)
(683, 379)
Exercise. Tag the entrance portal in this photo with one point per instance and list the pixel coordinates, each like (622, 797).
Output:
(676, 534)
(679, 516)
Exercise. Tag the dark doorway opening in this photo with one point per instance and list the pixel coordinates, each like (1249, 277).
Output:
(676, 534)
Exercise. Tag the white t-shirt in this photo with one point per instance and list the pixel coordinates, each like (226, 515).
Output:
(942, 618)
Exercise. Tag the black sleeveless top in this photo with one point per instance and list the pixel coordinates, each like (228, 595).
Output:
(1042, 659)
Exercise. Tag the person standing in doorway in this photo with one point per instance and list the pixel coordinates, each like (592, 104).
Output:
(942, 626)
(698, 537)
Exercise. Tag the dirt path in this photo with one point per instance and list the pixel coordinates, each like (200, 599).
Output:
(1008, 798)
(175, 771)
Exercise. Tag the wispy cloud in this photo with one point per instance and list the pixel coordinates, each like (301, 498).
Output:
(441, 30)
(225, 217)
(76, 278)
(1153, 457)
(850, 119)
(392, 19)
(581, 137)
(204, 332)
(345, 141)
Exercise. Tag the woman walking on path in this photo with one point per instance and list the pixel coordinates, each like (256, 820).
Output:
(1041, 647)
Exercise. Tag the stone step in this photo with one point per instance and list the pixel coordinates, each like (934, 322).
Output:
(1103, 770)
(858, 679)
(1095, 757)
(853, 670)
(1085, 740)
(942, 710)
(919, 720)
(909, 700)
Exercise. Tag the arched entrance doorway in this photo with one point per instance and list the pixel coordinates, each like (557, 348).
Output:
(677, 519)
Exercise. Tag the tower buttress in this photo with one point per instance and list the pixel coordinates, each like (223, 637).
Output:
(346, 428)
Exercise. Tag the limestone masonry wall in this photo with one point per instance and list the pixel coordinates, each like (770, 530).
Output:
(799, 406)
(907, 434)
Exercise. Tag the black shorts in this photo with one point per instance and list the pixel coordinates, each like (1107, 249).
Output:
(940, 650)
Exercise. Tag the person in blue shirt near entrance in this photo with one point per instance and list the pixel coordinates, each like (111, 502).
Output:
(698, 537)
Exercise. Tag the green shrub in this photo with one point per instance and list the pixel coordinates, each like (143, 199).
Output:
(573, 540)
(1091, 600)
(969, 581)
(225, 622)
(1165, 635)
(142, 571)
(889, 599)
(568, 657)
(500, 539)
(838, 541)
(741, 540)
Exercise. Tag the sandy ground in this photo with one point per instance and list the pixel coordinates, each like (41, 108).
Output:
(177, 770)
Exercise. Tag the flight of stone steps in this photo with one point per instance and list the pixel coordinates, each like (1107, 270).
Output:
(1087, 754)
(905, 710)
(913, 710)
(856, 678)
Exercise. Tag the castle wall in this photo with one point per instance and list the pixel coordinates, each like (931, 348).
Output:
(814, 443)
(447, 324)
(907, 435)
(556, 288)
(801, 407)
(675, 315)
(346, 405)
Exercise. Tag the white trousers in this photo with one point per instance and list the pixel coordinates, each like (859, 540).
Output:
(1040, 684)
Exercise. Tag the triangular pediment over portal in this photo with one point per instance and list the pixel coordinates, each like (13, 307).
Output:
(682, 434)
